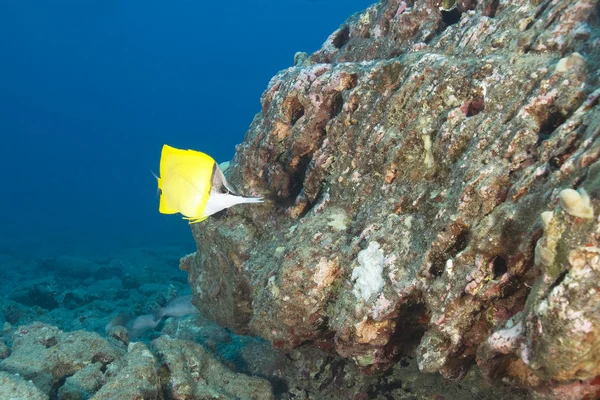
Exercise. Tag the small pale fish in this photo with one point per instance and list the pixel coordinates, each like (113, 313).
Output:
(140, 325)
(178, 307)
(136, 326)
(192, 184)
(122, 319)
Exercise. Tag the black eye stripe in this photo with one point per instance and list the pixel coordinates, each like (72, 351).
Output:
(213, 174)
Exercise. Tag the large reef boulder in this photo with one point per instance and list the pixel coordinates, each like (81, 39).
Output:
(196, 374)
(13, 386)
(47, 356)
(47, 363)
(406, 166)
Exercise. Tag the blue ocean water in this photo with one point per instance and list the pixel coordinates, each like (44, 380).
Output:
(90, 90)
(89, 93)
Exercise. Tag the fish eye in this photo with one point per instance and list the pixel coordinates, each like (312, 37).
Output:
(224, 190)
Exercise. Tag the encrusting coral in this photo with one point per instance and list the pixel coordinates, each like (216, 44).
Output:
(446, 141)
(576, 203)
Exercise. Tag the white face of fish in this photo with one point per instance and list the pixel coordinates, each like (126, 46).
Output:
(222, 195)
(220, 201)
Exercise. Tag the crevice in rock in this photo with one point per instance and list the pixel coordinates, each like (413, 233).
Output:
(558, 281)
(499, 267)
(311, 204)
(293, 109)
(491, 9)
(558, 160)
(392, 383)
(549, 125)
(164, 377)
(473, 107)
(53, 395)
(342, 37)
(336, 104)
(279, 385)
(438, 257)
(451, 16)
(411, 325)
(102, 358)
(460, 243)
(438, 264)
(337, 373)
(578, 181)
(511, 287)
(297, 177)
(322, 369)
(103, 367)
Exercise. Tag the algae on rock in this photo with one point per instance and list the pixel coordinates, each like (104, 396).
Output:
(443, 142)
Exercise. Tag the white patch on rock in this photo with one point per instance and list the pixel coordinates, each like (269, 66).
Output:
(576, 203)
(326, 272)
(508, 339)
(367, 276)
(382, 306)
(338, 221)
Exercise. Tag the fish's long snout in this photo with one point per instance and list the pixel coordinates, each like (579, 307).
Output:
(250, 199)
(232, 199)
(220, 201)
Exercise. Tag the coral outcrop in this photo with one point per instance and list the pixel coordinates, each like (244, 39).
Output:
(413, 170)
(47, 363)
(15, 387)
(46, 355)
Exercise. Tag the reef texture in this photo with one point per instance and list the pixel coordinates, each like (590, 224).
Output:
(47, 363)
(414, 171)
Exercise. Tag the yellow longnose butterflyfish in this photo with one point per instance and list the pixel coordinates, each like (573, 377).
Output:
(192, 184)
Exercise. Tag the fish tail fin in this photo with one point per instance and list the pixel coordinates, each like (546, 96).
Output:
(158, 314)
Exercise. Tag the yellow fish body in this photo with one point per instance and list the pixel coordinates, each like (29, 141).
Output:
(192, 184)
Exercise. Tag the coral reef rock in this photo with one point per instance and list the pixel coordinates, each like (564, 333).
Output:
(15, 387)
(46, 355)
(47, 363)
(195, 374)
(413, 170)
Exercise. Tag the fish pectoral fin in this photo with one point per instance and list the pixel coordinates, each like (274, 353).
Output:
(195, 220)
